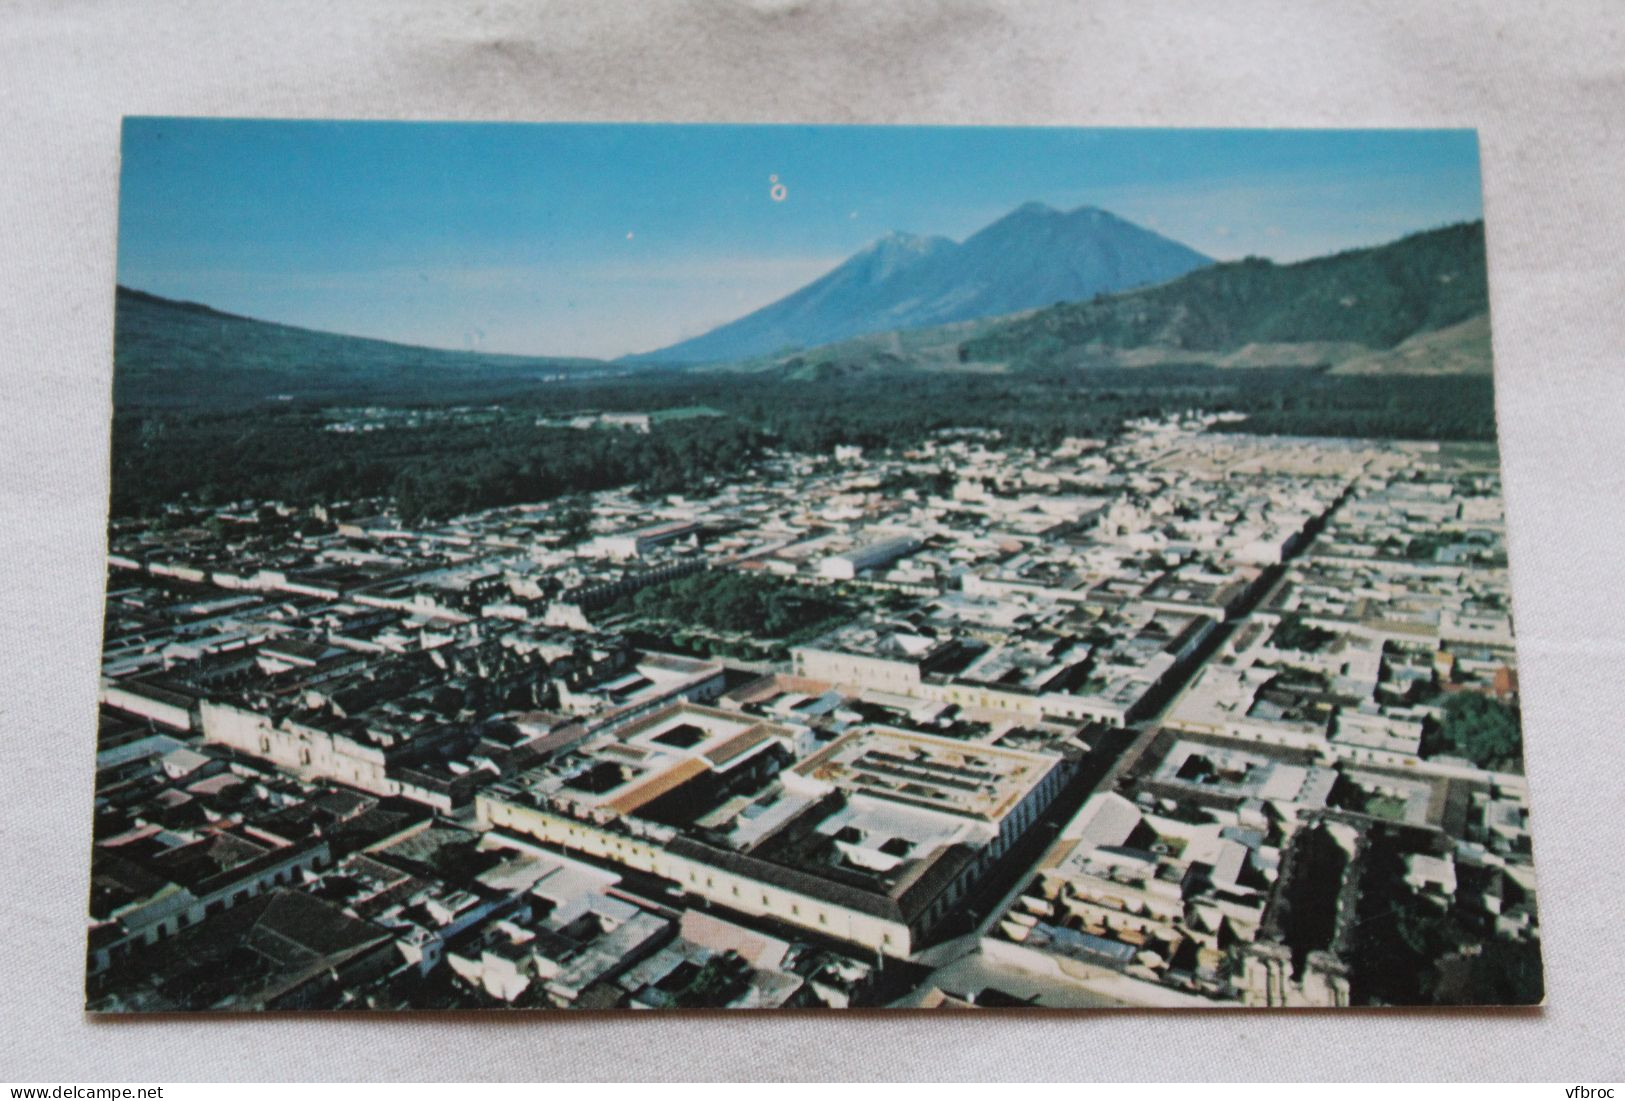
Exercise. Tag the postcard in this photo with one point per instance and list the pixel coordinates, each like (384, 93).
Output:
(781, 567)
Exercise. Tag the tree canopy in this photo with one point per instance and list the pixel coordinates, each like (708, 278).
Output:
(1483, 730)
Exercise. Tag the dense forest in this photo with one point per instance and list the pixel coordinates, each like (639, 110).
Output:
(459, 460)
(436, 470)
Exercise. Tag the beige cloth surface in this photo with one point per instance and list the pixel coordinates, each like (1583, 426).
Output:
(1544, 83)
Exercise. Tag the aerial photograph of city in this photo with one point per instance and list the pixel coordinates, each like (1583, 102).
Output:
(804, 567)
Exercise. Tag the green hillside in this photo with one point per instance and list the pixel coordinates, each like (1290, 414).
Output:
(1364, 300)
(169, 354)
(1458, 349)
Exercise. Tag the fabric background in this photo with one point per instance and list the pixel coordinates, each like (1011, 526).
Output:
(1544, 83)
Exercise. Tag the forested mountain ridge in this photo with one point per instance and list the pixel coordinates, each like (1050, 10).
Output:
(172, 353)
(1335, 307)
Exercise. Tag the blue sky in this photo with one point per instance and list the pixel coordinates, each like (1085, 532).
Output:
(603, 240)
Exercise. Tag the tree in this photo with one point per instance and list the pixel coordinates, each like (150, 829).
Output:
(1483, 730)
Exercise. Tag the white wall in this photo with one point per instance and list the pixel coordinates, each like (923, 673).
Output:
(698, 878)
